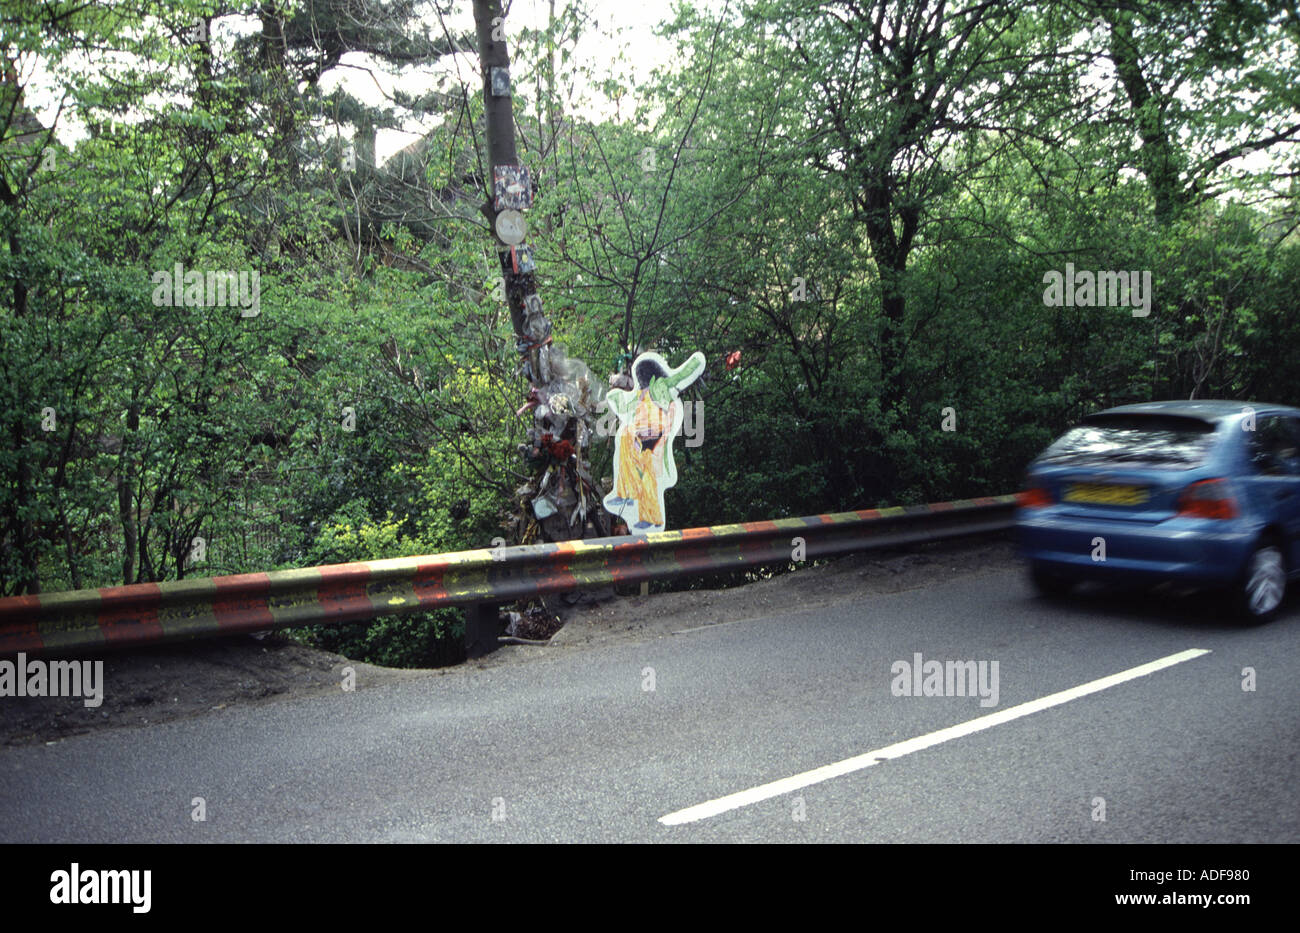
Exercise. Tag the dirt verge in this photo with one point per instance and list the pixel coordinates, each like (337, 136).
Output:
(175, 681)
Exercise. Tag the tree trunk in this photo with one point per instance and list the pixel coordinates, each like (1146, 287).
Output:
(568, 484)
(129, 530)
(24, 529)
(500, 122)
(1157, 159)
(890, 249)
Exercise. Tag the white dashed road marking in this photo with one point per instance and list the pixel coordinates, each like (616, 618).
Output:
(796, 782)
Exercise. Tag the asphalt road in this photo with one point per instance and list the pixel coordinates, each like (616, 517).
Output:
(574, 746)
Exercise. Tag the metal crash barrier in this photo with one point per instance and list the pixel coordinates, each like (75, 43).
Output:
(479, 580)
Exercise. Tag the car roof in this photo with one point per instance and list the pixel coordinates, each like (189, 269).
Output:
(1202, 409)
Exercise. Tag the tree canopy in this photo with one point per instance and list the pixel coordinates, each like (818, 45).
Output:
(233, 338)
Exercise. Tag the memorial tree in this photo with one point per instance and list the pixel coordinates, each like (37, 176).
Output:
(564, 398)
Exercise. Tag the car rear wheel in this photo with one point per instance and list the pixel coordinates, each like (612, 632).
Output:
(1048, 583)
(1263, 585)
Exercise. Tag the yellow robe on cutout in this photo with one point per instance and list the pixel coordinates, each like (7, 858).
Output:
(641, 457)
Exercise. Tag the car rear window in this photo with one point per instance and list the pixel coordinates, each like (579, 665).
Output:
(1174, 443)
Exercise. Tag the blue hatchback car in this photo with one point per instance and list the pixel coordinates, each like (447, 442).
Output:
(1201, 494)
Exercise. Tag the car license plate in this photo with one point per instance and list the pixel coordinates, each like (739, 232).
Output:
(1105, 494)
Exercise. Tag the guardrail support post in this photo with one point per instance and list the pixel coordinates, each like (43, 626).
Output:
(482, 626)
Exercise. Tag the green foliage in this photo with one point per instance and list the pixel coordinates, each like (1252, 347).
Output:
(863, 200)
(420, 639)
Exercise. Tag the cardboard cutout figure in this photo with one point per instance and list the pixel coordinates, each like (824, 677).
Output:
(649, 419)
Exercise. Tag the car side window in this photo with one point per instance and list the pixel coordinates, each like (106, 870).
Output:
(1275, 446)
(1290, 451)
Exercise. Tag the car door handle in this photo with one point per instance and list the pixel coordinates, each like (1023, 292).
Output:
(1283, 494)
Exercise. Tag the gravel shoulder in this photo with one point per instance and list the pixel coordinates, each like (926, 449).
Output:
(196, 678)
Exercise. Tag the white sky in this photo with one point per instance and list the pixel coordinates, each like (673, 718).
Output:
(624, 43)
(635, 52)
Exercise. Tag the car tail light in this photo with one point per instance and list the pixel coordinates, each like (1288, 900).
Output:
(1035, 497)
(1207, 499)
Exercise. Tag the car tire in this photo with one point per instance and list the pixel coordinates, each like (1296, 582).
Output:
(1048, 583)
(1262, 587)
